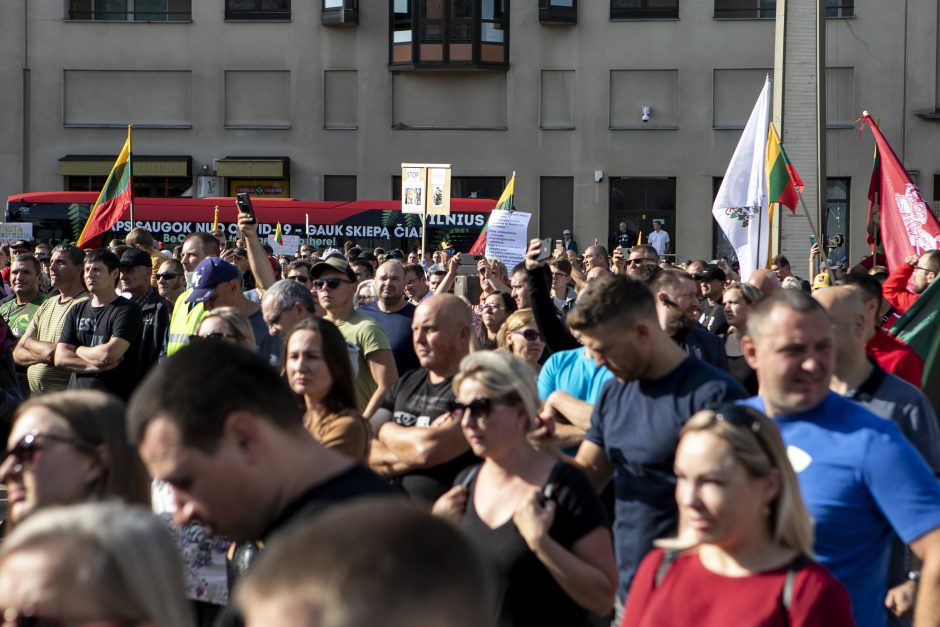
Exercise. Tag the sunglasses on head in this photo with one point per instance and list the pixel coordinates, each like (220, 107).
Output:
(530, 335)
(744, 418)
(330, 284)
(166, 276)
(24, 451)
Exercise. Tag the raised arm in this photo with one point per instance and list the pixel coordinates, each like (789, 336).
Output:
(257, 257)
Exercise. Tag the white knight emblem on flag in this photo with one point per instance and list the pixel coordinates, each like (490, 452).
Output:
(913, 211)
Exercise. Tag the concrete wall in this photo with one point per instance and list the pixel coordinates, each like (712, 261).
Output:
(210, 57)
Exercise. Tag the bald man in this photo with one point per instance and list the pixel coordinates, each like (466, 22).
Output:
(764, 280)
(415, 441)
(861, 379)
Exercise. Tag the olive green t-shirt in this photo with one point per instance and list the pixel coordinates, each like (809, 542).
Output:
(368, 336)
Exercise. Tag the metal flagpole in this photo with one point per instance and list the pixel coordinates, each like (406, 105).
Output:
(812, 227)
(130, 164)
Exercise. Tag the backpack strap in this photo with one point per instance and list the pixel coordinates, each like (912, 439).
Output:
(668, 558)
(786, 594)
(470, 476)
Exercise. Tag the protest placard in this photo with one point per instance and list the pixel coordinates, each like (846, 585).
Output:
(12, 231)
(507, 236)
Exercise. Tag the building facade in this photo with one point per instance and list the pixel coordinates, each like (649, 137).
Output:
(606, 110)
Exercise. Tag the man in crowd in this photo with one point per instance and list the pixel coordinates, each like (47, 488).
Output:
(780, 266)
(436, 274)
(519, 286)
(416, 284)
(659, 239)
(923, 268)
(596, 257)
(567, 243)
(217, 283)
(285, 304)
(18, 310)
(636, 421)
(363, 269)
(101, 335)
(642, 255)
(416, 442)
(187, 314)
(299, 270)
(335, 283)
(233, 446)
(675, 293)
(711, 284)
(171, 280)
(141, 239)
(621, 238)
(889, 352)
(393, 311)
(764, 280)
(135, 283)
(860, 478)
(35, 350)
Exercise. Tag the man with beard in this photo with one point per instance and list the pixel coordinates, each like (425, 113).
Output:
(36, 349)
(393, 311)
(675, 292)
(924, 269)
(711, 284)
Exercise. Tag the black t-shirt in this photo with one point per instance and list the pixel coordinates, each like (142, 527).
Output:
(92, 326)
(713, 318)
(397, 327)
(415, 402)
(527, 594)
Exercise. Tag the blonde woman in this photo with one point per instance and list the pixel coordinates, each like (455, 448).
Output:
(227, 323)
(744, 556)
(520, 336)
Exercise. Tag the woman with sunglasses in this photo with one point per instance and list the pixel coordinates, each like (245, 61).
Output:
(537, 521)
(318, 369)
(520, 336)
(94, 565)
(70, 447)
(493, 313)
(744, 554)
(227, 323)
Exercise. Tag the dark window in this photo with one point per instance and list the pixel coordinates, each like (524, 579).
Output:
(448, 33)
(558, 11)
(639, 201)
(746, 9)
(340, 12)
(339, 187)
(639, 9)
(257, 9)
(144, 186)
(840, 8)
(836, 222)
(131, 10)
(556, 206)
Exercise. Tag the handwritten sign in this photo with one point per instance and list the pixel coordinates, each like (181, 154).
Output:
(290, 245)
(507, 237)
(12, 231)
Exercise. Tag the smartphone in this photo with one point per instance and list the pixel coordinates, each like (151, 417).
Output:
(546, 250)
(243, 200)
(812, 239)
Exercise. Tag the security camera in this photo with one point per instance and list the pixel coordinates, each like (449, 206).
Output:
(646, 114)
(598, 176)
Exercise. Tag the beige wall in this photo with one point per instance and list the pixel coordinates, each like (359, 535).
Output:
(310, 76)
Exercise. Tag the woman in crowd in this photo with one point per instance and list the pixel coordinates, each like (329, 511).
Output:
(536, 521)
(738, 299)
(365, 293)
(317, 366)
(493, 313)
(70, 447)
(520, 336)
(92, 564)
(227, 323)
(744, 554)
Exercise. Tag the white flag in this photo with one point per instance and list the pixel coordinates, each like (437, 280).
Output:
(741, 205)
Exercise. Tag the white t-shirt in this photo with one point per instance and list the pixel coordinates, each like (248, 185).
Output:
(659, 240)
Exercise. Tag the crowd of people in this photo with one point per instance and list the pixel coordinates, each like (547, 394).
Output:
(219, 436)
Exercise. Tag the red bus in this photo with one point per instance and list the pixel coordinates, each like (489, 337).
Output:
(60, 216)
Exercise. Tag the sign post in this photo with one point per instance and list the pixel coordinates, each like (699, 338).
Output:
(425, 189)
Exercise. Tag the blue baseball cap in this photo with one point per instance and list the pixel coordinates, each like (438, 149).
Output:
(210, 273)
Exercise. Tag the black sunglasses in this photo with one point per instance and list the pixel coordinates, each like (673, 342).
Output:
(745, 418)
(24, 451)
(302, 279)
(166, 276)
(479, 407)
(529, 334)
(330, 284)
(215, 335)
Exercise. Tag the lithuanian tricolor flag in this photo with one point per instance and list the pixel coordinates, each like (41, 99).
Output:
(116, 197)
(782, 179)
(503, 204)
(278, 234)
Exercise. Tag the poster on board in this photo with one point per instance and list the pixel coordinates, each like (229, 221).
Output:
(413, 180)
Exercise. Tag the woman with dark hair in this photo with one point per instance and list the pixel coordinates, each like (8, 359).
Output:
(317, 366)
(493, 313)
(70, 447)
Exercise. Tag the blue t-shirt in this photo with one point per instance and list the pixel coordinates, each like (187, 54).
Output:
(637, 424)
(859, 478)
(571, 372)
(397, 327)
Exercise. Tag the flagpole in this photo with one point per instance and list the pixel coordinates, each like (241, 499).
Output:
(130, 164)
(812, 227)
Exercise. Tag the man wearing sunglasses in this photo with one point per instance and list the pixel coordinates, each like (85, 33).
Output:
(101, 335)
(135, 283)
(415, 441)
(36, 349)
(171, 281)
(860, 478)
(923, 269)
(335, 284)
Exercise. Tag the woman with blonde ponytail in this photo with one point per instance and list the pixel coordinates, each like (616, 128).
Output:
(743, 555)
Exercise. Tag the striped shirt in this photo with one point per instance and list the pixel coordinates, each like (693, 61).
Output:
(46, 326)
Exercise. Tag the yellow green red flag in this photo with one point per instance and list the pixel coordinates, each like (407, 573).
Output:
(116, 197)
